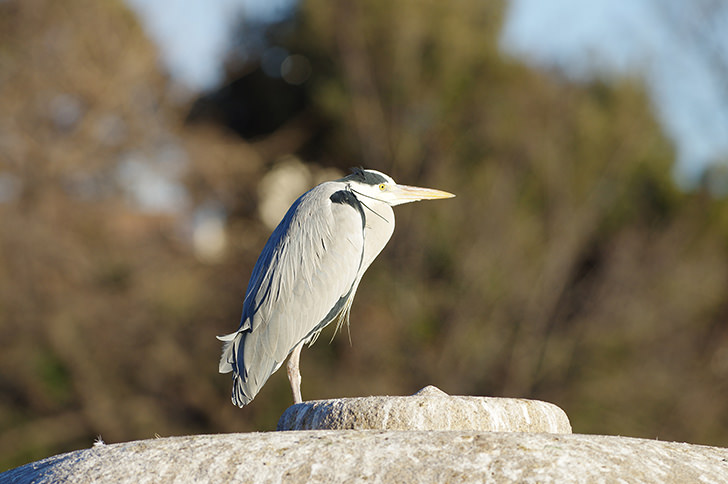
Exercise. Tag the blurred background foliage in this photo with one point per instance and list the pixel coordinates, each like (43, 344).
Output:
(569, 268)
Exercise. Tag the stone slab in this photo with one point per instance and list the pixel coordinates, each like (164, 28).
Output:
(428, 409)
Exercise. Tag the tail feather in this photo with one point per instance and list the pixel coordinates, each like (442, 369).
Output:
(246, 384)
(227, 359)
(239, 397)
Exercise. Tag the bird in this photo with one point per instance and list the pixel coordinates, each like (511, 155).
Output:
(307, 275)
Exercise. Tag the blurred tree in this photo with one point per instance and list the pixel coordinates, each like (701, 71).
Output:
(101, 295)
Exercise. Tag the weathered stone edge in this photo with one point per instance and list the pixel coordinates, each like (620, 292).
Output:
(392, 413)
(383, 456)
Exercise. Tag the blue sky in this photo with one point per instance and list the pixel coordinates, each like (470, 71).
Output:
(678, 47)
(194, 35)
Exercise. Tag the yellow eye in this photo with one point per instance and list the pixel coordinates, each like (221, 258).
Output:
(382, 186)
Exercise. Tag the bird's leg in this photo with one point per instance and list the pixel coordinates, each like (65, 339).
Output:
(294, 375)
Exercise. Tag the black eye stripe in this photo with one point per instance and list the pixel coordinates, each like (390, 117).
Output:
(367, 177)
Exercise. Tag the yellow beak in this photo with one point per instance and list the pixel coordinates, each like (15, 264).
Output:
(406, 194)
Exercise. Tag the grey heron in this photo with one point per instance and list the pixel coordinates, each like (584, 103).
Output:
(308, 272)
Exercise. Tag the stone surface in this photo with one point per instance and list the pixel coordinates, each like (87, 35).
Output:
(429, 437)
(324, 456)
(428, 409)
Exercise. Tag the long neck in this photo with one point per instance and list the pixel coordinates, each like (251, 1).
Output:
(378, 230)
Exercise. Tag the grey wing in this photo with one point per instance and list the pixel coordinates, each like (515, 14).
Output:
(307, 271)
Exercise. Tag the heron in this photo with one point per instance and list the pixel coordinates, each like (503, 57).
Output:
(308, 272)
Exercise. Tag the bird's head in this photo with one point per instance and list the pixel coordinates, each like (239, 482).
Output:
(373, 184)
